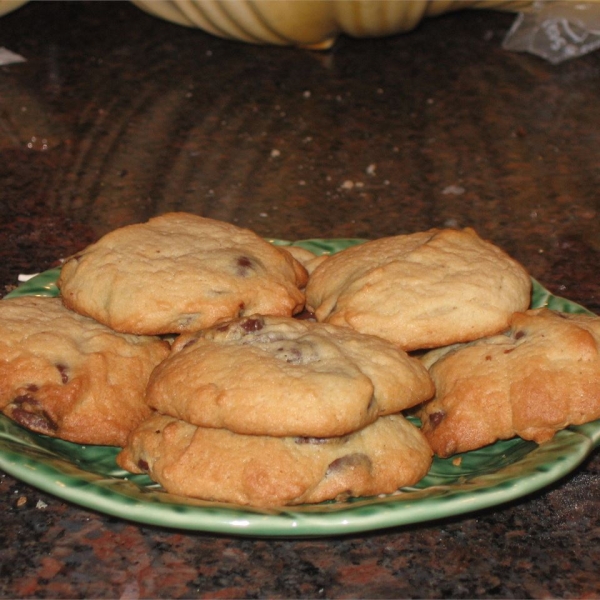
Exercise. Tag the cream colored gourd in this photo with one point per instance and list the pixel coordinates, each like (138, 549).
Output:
(309, 23)
(7, 6)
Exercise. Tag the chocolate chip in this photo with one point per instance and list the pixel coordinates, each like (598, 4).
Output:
(32, 387)
(63, 373)
(250, 325)
(290, 354)
(244, 266)
(436, 418)
(33, 418)
(25, 399)
(39, 422)
(28, 411)
(519, 335)
(350, 461)
(244, 261)
(143, 465)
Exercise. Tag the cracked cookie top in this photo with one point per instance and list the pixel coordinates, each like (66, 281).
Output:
(420, 290)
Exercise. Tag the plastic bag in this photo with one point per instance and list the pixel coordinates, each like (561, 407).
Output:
(556, 30)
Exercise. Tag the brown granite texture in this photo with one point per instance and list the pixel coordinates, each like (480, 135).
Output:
(117, 116)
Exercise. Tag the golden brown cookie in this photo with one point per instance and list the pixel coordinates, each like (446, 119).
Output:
(539, 378)
(180, 272)
(420, 290)
(285, 377)
(70, 377)
(218, 465)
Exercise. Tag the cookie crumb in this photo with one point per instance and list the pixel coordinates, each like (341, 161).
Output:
(454, 190)
(457, 461)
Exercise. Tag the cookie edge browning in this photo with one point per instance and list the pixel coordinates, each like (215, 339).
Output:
(279, 471)
(528, 408)
(49, 393)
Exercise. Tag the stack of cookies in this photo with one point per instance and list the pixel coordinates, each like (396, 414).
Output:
(273, 410)
(233, 370)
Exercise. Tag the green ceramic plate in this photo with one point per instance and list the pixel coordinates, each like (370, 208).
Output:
(88, 475)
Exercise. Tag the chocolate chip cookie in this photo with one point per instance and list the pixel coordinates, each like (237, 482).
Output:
(180, 272)
(420, 290)
(540, 377)
(219, 465)
(67, 376)
(285, 377)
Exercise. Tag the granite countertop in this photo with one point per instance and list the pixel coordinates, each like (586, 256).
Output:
(116, 116)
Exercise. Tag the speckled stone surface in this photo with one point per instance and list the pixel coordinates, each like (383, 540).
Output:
(117, 116)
